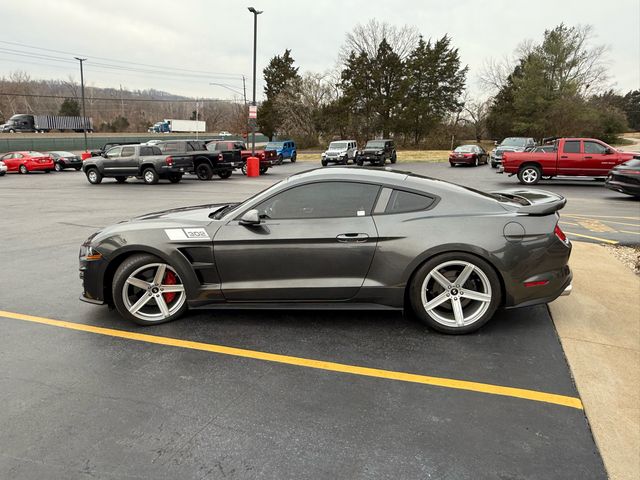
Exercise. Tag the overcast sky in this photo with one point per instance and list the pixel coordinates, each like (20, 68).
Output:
(216, 36)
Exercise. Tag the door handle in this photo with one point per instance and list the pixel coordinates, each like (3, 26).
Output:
(564, 156)
(352, 237)
(588, 158)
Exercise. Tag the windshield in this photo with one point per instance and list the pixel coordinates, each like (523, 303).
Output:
(514, 142)
(465, 149)
(337, 145)
(375, 144)
(274, 145)
(632, 163)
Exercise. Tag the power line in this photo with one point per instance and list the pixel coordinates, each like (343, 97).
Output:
(114, 99)
(123, 61)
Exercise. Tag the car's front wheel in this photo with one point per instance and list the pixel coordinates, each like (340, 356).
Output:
(294, 157)
(455, 293)
(148, 291)
(204, 171)
(58, 167)
(94, 176)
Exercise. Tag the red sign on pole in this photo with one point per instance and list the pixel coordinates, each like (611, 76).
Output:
(253, 111)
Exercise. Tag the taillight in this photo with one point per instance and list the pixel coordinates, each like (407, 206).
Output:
(560, 234)
(169, 161)
(536, 283)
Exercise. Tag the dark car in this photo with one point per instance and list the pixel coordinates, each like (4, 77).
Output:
(468, 155)
(143, 161)
(377, 152)
(206, 163)
(386, 240)
(266, 158)
(625, 178)
(511, 144)
(64, 160)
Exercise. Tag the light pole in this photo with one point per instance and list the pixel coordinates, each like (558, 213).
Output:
(84, 113)
(255, 44)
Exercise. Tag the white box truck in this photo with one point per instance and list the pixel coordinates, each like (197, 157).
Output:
(171, 125)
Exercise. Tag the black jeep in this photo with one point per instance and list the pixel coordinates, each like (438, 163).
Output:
(377, 152)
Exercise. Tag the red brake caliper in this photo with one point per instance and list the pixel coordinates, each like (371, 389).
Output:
(169, 279)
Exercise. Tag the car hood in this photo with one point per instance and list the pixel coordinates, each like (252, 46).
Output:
(510, 149)
(335, 152)
(373, 149)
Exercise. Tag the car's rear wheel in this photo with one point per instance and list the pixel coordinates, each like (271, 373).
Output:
(394, 158)
(23, 169)
(529, 175)
(150, 176)
(94, 176)
(204, 171)
(225, 174)
(359, 162)
(455, 293)
(148, 291)
(263, 170)
(476, 162)
(244, 168)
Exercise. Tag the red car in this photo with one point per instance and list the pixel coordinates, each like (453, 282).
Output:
(268, 158)
(468, 155)
(576, 157)
(28, 161)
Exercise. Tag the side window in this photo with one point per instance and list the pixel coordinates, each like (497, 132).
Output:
(594, 147)
(321, 200)
(128, 152)
(401, 202)
(113, 152)
(170, 148)
(572, 146)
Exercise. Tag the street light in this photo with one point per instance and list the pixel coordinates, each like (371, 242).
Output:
(255, 44)
(84, 113)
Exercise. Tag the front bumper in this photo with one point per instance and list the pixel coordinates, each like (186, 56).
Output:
(623, 187)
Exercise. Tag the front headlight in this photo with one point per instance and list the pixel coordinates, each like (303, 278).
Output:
(324, 154)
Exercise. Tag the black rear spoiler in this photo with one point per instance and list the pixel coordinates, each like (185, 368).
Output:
(534, 202)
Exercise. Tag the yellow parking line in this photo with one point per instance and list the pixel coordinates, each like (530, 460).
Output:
(605, 240)
(627, 231)
(569, 223)
(620, 223)
(598, 216)
(487, 388)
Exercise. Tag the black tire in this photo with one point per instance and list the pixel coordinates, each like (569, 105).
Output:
(476, 162)
(11, 130)
(263, 170)
(453, 165)
(529, 175)
(120, 179)
(78, 169)
(58, 167)
(293, 157)
(175, 177)
(483, 276)
(394, 158)
(324, 163)
(382, 161)
(150, 176)
(204, 171)
(127, 268)
(94, 176)
(224, 174)
(494, 165)
(47, 171)
(359, 162)
(280, 159)
(244, 168)
(23, 169)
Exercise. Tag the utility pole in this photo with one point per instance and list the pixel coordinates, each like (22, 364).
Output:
(244, 90)
(84, 112)
(253, 102)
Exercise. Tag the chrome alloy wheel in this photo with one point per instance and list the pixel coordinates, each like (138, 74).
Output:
(529, 175)
(149, 177)
(456, 293)
(153, 292)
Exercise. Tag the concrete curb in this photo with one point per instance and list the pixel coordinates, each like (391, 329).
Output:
(599, 328)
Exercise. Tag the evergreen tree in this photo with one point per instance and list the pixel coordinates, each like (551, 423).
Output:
(69, 108)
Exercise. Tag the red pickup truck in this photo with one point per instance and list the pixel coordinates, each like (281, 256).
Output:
(268, 158)
(584, 157)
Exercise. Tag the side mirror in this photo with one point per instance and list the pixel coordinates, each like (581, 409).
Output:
(608, 151)
(250, 217)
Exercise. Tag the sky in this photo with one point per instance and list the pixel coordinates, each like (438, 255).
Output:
(190, 44)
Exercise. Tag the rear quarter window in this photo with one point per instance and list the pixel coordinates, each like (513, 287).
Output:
(401, 201)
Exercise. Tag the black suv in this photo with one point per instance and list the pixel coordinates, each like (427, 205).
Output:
(377, 152)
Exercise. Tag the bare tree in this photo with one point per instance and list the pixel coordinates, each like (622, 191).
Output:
(367, 38)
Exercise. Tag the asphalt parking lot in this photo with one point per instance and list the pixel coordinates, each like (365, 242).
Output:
(92, 398)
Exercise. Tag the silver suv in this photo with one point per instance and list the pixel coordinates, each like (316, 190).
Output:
(340, 151)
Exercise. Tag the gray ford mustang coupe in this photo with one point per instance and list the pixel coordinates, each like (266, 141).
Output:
(338, 238)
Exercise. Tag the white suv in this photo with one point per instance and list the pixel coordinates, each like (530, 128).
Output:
(340, 151)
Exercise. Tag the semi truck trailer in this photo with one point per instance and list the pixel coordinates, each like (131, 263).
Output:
(26, 123)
